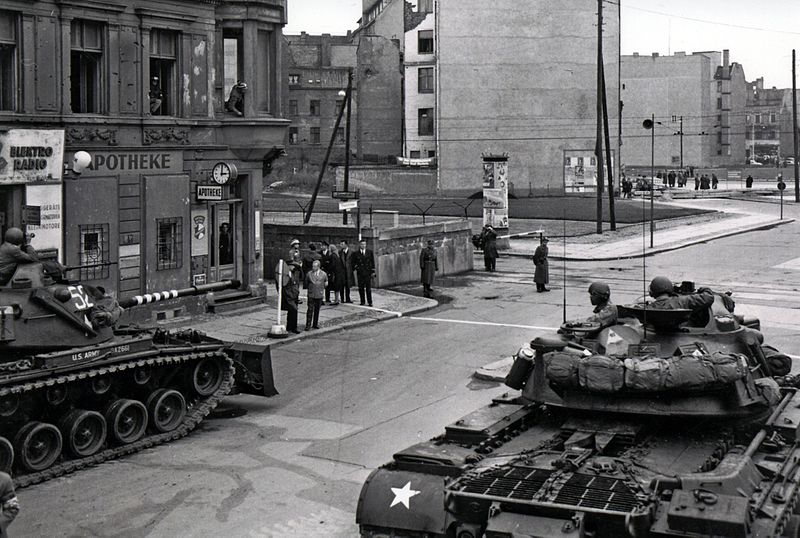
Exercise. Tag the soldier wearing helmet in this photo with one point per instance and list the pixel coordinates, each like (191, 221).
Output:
(605, 312)
(665, 298)
(13, 252)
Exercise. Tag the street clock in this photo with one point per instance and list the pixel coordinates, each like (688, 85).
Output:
(224, 172)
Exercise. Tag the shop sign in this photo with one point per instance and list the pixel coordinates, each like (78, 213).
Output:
(31, 155)
(32, 215)
(146, 162)
(209, 192)
(47, 233)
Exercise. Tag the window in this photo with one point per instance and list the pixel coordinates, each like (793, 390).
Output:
(339, 105)
(592, 161)
(425, 42)
(294, 138)
(431, 153)
(293, 107)
(315, 135)
(415, 154)
(772, 117)
(425, 122)
(758, 118)
(294, 79)
(425, 84)
(169, 245)
(86, 66)
(233, 60)
(719, 85)
(163, 56)
(313, 108)
(747, 118)
(94, 251)
(719, 103)
(719, 137)
(8, 56)
(340, 135)
(676, 159)
(425, 6)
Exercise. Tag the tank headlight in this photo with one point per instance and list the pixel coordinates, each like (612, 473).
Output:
(525, 353)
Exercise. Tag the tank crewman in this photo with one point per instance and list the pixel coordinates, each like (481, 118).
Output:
(663, 291)
(605, 312)
(13, 252)
(9, 506)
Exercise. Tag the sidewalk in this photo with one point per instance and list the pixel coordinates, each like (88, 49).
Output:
(251, 325)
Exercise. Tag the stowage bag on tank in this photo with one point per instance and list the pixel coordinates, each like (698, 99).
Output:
(647, 375)
(727, 367)
(562, 368)
(599, 373)
(689, 372)
(779, 363)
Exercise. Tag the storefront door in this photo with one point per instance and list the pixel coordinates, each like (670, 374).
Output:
(12, 199)
(225, 256)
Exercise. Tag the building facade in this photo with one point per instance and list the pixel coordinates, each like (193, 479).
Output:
(731, 101)
(179, 105)
(768, 113)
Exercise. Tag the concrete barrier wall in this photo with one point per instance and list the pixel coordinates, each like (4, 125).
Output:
(390, 179)
(396, 250)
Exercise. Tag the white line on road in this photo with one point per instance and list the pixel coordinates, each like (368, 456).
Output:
(398, 314)
(489, 323)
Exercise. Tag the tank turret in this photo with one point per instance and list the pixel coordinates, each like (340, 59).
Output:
(667, 423)
(76, 388)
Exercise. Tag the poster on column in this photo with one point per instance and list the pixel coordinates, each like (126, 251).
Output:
(495, 190)
(48, 233)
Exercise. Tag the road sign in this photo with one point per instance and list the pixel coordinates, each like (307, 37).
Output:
(345, 195)
(350, 204)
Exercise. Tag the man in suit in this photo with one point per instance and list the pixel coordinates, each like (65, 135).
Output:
(316, 281)
(364, 266)
(346, 257)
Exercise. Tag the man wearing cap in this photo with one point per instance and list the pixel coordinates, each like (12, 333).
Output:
(541, 275)
(428, 265)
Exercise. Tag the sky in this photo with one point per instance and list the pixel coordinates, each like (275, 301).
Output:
(760, 34)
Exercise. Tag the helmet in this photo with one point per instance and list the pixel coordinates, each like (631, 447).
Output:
(14, 236)
(600, 289)
(660, 285)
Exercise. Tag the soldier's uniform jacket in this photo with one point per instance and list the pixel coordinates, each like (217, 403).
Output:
(695, 301)
(605, 314)
(9, 506)
(428, 265)
(542, 273)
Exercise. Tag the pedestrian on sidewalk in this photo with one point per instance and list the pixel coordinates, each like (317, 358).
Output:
(541, 275)
(428, 265)
(364, 266)
(346, 256)
(489, 242)
(308, 260)
(316, 282)
(9, 506)
(290, 292)
(749, 182)
(714, 181)
(330, 264)
(696, 183)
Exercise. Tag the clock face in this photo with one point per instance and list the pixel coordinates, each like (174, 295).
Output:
(221, 173)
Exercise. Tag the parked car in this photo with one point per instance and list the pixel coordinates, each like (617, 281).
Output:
(753, 162)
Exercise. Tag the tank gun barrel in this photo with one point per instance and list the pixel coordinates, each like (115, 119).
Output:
(88, 266)
(147, 298)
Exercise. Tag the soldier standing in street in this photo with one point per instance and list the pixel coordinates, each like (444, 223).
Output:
(489, 241)
(9, 506)
(541, 275)
(428, 265)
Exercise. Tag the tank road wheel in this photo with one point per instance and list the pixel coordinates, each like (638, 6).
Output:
(206, 377)
(83, 431)
(101, 385)
(166, 409)
(126, 420)
(143, 375)
(37, 445)
(56, 394)
(792, 527)
(9, 405)
(6, 454)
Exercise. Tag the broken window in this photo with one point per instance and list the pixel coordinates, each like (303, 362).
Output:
(163, 57)
(340, 135)
(86, 66)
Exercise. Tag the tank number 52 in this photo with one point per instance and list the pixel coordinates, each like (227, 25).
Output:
(82, 299)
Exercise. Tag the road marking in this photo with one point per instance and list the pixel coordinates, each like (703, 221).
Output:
(793, 265)
(487, 323)
(397, 314)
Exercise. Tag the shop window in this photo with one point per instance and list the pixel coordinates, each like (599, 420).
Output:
(425, 77)
(233, 60)
(340, 135)
(94, 251)
(169, 243)
(86, 66)
(425, 119)
(163, 57)
(292, 107)
(313, 108)
(8, 56)
(315, 135)
(425, 42)
(293, 135)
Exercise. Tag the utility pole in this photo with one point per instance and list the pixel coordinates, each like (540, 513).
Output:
(348, 101)
(681, 134)
(598, 148)
(794, 125)
(611, 213)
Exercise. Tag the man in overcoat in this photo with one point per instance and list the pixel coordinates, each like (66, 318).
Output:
(364, 267)
(346, 259)
(541, 275)
(428, 265)
(489, 240)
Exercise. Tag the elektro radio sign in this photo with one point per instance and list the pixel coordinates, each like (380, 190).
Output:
(209, 192)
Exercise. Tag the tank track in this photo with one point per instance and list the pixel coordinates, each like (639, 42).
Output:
(195, 414)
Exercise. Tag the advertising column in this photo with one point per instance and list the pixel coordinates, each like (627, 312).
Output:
(495, 192)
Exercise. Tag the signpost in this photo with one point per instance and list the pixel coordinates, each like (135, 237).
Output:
(349, 204)
(345, 195)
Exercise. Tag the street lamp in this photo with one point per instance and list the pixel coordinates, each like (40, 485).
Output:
(348, 95)
(651, 124)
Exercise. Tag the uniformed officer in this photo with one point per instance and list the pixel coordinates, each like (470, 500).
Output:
(663, 291)
(605, 312)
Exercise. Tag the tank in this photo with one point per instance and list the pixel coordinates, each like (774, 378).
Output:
(667, 424)
(77, 388)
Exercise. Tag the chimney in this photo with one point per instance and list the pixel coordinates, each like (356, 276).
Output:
(726, 58)
(655, 55)
(760, 83)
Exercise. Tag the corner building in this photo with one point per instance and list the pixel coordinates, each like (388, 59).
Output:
(142, 86)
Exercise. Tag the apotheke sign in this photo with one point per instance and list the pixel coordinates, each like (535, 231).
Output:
(209, 192)
(127, 162)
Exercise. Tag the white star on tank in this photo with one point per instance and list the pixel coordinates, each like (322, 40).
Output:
(403, 495)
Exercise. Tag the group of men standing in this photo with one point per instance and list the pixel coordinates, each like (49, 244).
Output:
(330, 271)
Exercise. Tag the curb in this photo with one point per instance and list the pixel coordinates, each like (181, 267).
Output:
(667, 248)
